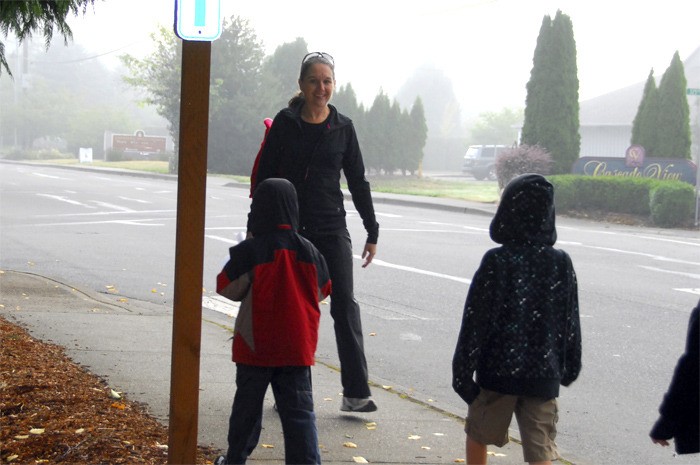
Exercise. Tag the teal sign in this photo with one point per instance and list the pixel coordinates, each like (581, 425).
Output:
(691, 91)
(198, 19)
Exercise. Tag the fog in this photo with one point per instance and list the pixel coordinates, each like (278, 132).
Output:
(484, 47)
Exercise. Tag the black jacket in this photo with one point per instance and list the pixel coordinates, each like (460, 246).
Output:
(520, 328)
(680, 409)
(316, 175)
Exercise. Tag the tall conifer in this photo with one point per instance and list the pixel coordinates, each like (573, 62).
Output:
(674, 113)
(645, 126)
(552, 108)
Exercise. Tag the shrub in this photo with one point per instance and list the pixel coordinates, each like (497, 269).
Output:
(520, 160)
(114, 155)
(669, 203)
(43, 154)
(672, 204)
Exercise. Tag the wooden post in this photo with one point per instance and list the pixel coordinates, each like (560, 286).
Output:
(189, 252)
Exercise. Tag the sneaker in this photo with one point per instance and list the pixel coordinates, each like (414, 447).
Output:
(220, 460)
(353, 404)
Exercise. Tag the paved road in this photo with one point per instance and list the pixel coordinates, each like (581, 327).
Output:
(637, 287)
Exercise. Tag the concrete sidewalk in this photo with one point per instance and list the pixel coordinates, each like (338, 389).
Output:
(128, 343)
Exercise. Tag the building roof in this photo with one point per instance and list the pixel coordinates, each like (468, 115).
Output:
(619, 107)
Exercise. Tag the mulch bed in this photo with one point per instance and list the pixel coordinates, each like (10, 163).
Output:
(54, 411)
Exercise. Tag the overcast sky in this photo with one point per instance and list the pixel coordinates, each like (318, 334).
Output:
(484, 46)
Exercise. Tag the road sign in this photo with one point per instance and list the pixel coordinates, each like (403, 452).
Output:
(692, 91)
(198, 19)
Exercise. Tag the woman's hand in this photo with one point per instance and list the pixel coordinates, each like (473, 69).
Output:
(369, 253)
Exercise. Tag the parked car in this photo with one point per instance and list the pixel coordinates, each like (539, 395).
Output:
(480, 161)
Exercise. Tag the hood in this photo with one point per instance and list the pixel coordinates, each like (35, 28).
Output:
(525, 214)
(274, 207)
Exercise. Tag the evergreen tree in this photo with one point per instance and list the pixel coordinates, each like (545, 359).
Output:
(345, 100)
(645, 126)
(376, 145)
(417, 136)
(394, 140)
(674, 113)
(552, 111)
(23, 18)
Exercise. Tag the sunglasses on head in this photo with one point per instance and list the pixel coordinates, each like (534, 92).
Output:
(322, 55)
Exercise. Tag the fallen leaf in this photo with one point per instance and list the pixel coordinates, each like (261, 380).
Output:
(495, 454)
(122, 300)
(80, 431)
(12, 458)
(425, 447)
(350, 445)
(372, 334)
(161, 446)
(371, 425)
(460, 460)
(414, 437)
(431, 400)
(36, 431)
(360, 460)
(386, 388)
(438, 434)
(119, 405)
(114, 394)
(267, 446)
(328, 399)
(23, 436)
(154, 290)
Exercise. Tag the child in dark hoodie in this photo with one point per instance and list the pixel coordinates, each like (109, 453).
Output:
(520, 330)
(279, 277)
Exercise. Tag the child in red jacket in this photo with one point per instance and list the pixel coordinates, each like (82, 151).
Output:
(279, 277)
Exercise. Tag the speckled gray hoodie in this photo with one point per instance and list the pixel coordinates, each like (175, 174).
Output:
(520, 331)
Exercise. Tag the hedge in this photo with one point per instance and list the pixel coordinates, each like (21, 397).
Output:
(667, 203)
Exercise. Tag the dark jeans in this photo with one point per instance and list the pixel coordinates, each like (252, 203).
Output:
(292, 389)
(337, 250)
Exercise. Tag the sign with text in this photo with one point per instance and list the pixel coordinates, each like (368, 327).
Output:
(139, 142)
(656, 168)
(198, 19)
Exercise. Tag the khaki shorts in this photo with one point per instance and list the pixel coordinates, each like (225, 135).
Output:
(490, 414)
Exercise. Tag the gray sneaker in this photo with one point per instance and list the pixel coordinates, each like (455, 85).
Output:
(220, 460)
(353, 404)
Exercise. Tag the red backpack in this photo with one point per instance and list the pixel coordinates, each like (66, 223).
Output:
(254, 173)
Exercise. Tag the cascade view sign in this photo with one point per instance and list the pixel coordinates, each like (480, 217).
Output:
(656, 168)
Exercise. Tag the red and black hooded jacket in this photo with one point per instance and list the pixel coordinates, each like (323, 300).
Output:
(279, 277)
